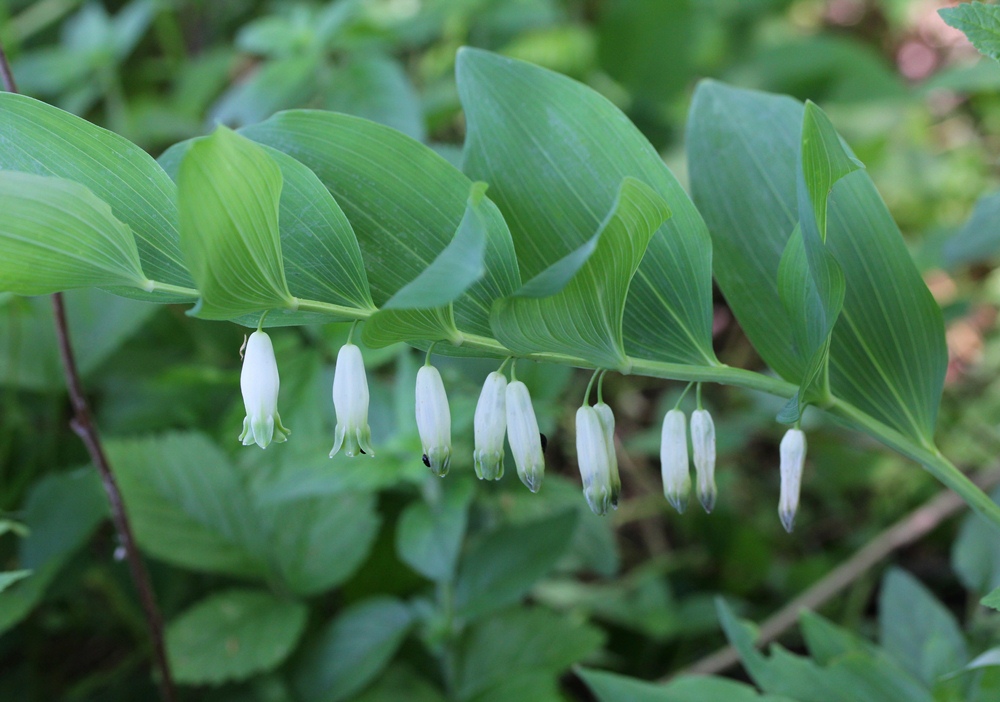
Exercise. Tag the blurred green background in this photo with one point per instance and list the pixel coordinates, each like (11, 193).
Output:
(285, 576)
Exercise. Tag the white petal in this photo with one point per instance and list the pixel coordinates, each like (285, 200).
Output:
(607, 418)
(524, 437)
(433, 419)
(703, 450)
(259, 384)
(592, 456)
(350, 401)
(674, 460)
(793, 458)
(490, 427)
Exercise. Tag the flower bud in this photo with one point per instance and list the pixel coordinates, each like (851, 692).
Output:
(703, 450)
(490, 427)
(350, 400)
(524, 437)
(259, 383)
(793, 458)
(592, 456)
(433, 420)
(674, 460)
(607, 418)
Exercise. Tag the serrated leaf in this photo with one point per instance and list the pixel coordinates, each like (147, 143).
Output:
(887, 350)
(980, 23)
(228, 190)
(584, 318)
(405, 204)
(352, 649)
(57, 235)
(232, 635)
(501, 567)
(555, 153)
(44, 140)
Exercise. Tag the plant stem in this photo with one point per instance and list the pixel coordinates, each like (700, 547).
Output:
(83, 425)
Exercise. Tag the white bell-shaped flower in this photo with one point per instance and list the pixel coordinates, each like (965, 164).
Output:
(674, 460)
(433, 420)
(592, 456)
(703, 452)
(524, 437)
(607, 418)
(793, 458)
(259, 383)
(490, 427)
(350, 400)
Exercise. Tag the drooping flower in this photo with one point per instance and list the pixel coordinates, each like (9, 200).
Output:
(524, 437)
(592, 456)
(490, 427)
(674, 460)
(703, 450)
(793, 458)
(607, 418)
(350, 400)
(259, 383)
(433, 420)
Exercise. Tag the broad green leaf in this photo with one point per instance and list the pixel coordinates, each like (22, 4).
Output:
(352, 650)
(584, 317)
(979, 237)
(376, 87)
(321, 257)
(421, 309)
(232, 635)
(187, 505)
(827, 641)
(44, 140)
(611, 687)
(9, 577)
(856, 676)
(57, 235)
(228, 190)
(518, 642)
(428, 537)
(405, 204)
(887, 351)
(401, 681)
(275, 85)
(98, 321)
(504, 565)
(980, 23)
(917, 630)
(555, 153)
(61, 513)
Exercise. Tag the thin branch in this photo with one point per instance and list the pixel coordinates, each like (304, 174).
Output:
(904, 532)
(83, 425)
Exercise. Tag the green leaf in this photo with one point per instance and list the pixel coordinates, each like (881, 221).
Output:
(228, 190)
(405, 204)
(584, 317)
(352, 650)
(44, 140)
(57, 235)
(979, 237)
(400, 681)
(9, 577)
(975, 553)
(520, 642)
(887, 351)
(275, 85)
(555, 153)
(992, 600)
(610, 687)
(429, 537)
(232, 635)
(504, 565)
(187, 505)
(856, 676)
(980, 23)
(917, 630)
(421, 309)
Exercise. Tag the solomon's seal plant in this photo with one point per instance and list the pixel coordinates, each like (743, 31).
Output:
(564, 239)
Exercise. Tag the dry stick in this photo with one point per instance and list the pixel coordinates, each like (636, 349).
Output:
(83, 425)
(904, 532)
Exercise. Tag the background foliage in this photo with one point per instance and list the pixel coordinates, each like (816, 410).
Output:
(286, 576)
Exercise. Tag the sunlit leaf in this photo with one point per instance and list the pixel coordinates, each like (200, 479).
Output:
(58, 235)
(980, 23)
